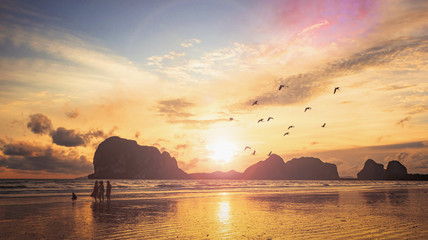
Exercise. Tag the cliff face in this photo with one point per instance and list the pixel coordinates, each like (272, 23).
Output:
(121, 158)
(305, 168)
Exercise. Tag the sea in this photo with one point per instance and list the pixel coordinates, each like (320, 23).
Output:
(24, 191)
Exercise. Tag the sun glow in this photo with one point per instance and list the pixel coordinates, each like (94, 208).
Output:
(222, 151)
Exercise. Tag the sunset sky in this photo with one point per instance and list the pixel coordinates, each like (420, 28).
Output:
(171, 74)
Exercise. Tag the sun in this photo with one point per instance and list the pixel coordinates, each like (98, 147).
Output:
(222, 151)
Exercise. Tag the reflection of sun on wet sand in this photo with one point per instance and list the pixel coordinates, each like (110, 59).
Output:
(397, 213)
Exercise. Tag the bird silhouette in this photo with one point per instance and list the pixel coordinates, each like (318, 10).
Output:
(336, 89)
(307, 108)
(254, 103)
(323, 125)
(260, 120)
(290, 127)
(269, 118)
(286, 133)
(282, 86)
(270, 153)
(247, 147)
(254, 153)
(231, 119)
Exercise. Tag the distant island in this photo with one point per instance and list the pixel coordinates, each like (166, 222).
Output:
(394, 171)
(118, 158)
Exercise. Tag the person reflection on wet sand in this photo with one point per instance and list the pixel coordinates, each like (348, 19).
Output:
(108, 192)
(398, 197)
(101, 191)
(374, 197)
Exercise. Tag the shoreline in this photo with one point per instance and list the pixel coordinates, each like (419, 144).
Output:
(398, 212)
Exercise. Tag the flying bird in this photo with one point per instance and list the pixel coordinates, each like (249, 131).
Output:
(336, 89)
(270, 153)
(269, 118)
(231, 119)
(254, 153)
(260, 120)
(290, 127)
(281, 86)
(247, 148)
(286, 133)
(323, 125)
(308, 108)
(254, 103)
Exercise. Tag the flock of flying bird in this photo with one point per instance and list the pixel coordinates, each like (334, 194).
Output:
(271, 118)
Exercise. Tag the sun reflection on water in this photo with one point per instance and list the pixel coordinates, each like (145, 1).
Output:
(224, 212)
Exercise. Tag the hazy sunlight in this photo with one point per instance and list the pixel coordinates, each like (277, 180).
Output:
(222, 151)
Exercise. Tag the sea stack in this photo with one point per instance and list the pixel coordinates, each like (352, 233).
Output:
(304, 168)
(396, 171)
(309, 168)
(272, 168)
(120, 158)
(372, 171)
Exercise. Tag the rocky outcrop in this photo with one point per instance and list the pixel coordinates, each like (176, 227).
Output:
(309, 168)
(271, 168)
(305, 168)
(232, 174)
(396, 171)
(372, 171)
(124, 159)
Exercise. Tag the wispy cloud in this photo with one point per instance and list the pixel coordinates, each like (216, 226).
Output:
(175, 108)
(396, 87)
(306, 85)
(72, 113)
(402, 121)
(158, 61)
(198, 123)
(315, 26)
(178, 111)
(190, 43)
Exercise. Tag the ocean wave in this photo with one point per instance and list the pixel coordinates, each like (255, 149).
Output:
(170, 186)
(12, 186)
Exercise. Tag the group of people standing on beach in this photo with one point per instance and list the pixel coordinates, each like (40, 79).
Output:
(98, 191)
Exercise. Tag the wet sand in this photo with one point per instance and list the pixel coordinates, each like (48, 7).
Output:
(399, 213)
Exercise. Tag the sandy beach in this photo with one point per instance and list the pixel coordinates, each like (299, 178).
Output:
(398, 213)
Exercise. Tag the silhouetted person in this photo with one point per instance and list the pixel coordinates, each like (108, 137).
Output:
(94, 193)
(101, 191)
(108, 191)
(73, 196)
